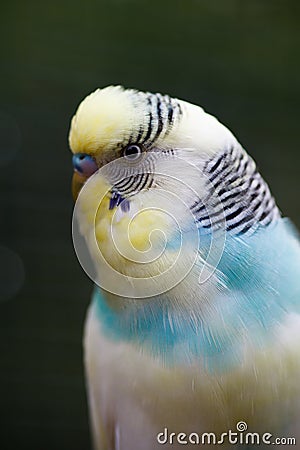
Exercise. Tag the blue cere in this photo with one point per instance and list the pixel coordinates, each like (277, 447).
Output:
(84, 164)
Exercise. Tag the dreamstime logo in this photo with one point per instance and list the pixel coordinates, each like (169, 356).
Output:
(241, 426)
(137, 242)
(239, 436)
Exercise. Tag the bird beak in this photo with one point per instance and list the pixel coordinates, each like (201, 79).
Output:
(78, 181)
(84, 166)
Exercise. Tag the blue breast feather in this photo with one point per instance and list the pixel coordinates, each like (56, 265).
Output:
(259, 284)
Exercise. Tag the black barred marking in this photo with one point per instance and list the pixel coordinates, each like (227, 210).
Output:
(140, 134)
(264, 215)
(179, 108)
(199, 209)
(232, 195)
(127, 182)
(160, 120)
(244, 197)
(215, 175)
(149, 131)
(216, 164)
(163, 112)
(144, 183)
(256, 206)
(242, 221)
(133, 184)
(235, 213)
(217, 213)
(230, 179)
(170, 114)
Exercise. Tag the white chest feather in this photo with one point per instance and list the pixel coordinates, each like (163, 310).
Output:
(133, 397)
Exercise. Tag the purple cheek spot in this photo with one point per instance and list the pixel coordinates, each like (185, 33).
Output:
(84, 164)
(125, 205)
(117, 199)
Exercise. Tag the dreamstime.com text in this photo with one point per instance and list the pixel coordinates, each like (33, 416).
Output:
(238, 436)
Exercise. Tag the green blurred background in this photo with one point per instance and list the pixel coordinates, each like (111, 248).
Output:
(238, 59)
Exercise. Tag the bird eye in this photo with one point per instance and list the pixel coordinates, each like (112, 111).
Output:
(132, 152)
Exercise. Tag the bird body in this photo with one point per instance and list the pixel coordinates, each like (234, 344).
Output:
(194, 326)
(133, 398)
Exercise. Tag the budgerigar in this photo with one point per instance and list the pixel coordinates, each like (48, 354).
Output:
(194, 325)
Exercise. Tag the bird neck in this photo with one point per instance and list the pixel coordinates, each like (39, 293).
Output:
(242, 303)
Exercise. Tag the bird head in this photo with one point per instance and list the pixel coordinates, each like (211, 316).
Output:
(156, 162)
(113, 122)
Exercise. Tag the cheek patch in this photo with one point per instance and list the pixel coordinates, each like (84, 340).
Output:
(117, 199)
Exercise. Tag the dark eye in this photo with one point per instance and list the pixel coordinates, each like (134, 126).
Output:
(132, 152)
